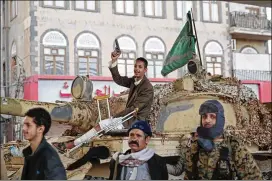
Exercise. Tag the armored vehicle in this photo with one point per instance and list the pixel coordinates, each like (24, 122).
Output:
(174, 114)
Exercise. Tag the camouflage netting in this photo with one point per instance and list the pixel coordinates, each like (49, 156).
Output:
(117, 104)
(255, 129)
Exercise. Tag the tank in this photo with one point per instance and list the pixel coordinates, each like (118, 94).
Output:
(173, 115)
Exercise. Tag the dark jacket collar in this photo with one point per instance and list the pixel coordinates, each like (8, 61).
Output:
(28, 152)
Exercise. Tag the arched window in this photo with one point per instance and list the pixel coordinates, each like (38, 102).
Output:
(128, 56)
(13, 63)
(249, 50)
(88, 54)
(213, 57)
(54, 50)
(154, 51)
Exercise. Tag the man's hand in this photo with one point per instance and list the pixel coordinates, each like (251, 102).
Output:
(115, 55)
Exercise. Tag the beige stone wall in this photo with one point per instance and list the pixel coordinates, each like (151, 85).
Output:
(19, 33)
(258, 45)
(107, 26)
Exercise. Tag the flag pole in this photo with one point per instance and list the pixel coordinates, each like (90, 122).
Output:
(193, 19)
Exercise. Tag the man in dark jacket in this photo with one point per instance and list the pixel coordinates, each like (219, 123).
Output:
(141, 90)
(42, 162)
(139, 162)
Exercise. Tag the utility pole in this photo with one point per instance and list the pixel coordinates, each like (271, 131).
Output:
(6, 29)
(6, 13)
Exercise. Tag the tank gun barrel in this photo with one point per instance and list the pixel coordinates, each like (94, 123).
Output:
(18, 107)
(83, 115)
(75, 114)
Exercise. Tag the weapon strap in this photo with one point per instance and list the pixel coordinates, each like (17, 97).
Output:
(224, 156)
(226, 153)
(194, 175)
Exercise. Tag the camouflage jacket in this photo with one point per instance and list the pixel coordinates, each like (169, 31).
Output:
(241, 161)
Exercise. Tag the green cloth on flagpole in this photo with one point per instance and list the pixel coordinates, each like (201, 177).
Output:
(182, 50)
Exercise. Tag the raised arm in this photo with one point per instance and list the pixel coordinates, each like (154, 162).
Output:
(117, 78)
(178, 168)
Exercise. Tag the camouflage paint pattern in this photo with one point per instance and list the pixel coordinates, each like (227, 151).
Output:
(241, 160)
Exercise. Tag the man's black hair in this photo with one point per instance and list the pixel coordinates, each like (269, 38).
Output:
(143, 60)
(41, 117)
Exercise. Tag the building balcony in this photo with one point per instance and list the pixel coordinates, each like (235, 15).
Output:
(252, 66)
(249, 26)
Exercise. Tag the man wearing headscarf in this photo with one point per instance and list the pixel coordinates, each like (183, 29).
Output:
(139, 162)
(215, 156)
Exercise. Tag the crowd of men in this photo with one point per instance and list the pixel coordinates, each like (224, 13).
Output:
(209, 154)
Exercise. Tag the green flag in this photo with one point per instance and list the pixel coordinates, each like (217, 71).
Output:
(182, 50)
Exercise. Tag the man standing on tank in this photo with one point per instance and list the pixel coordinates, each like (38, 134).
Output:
(141, 90)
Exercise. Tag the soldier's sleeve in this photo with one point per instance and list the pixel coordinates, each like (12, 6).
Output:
(246, 167)
(178, 168)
